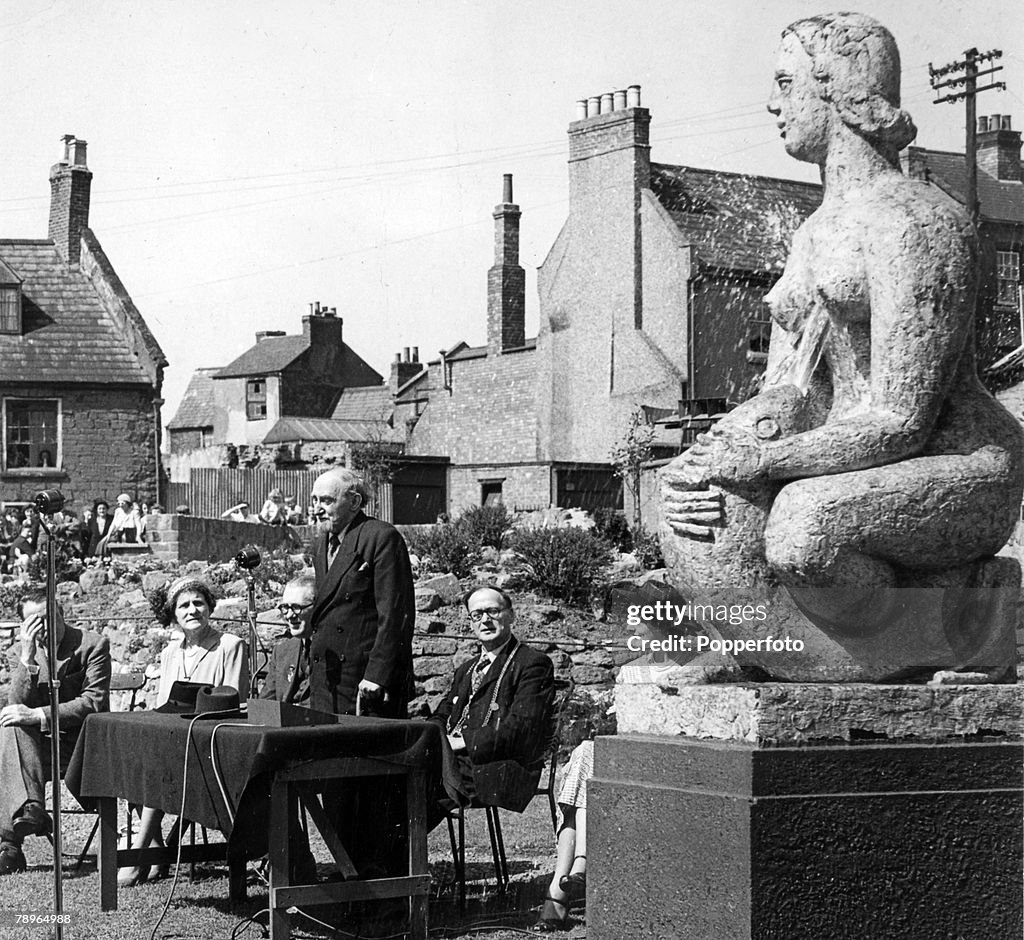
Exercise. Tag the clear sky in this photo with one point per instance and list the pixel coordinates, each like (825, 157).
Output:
(253, 156)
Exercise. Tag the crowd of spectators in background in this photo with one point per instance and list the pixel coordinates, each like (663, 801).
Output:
(85, 535)
(277, 509)
(89, 534)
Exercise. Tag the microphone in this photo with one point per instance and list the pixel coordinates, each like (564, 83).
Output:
(48, 501)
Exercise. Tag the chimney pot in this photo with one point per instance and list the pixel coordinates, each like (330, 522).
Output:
(620, 100)
(70, 185)
(398, 357)
(633, 96)
(581, 109)
(606, 102)
(1005, 124)
(994, 122)
(405, 352)
(311, 310)
(316, 309)
(593, 106)
(982, 124)
(415, 354)
(507, 189)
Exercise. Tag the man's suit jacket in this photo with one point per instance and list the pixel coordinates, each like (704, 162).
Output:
(283, 673)
(507, 752)
(83, 668)
(363, 618)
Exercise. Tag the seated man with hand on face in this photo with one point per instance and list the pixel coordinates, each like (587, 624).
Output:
(288, 671)
(498, 712)
(83, 669)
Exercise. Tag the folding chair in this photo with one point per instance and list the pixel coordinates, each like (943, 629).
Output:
(132, 682)
(563, 693)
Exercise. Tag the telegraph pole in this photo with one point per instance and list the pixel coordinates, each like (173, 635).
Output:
(969, 79)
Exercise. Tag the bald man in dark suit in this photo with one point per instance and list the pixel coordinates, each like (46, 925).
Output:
(361, 655)
(365, 609)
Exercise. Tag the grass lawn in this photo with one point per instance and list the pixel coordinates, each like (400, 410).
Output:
(201, 909)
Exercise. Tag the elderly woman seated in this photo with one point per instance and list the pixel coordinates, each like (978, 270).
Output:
(202, 654)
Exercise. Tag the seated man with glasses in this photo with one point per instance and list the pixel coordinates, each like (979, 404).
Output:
(288, 671)
(288, 681)
(497, 714)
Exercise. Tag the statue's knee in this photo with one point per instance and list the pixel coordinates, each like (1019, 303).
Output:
(797, 540)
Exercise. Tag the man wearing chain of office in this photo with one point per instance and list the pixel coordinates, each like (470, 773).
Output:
(498, 711)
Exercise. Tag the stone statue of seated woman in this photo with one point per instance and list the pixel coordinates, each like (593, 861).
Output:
(865, 491)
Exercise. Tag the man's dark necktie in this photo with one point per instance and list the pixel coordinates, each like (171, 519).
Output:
(476, 679)
(333, 545)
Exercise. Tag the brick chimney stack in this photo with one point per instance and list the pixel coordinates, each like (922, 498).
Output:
(609, 167)
(999, 148)
(405, 366)
(506, 280)
(324, 327)
(70, 185)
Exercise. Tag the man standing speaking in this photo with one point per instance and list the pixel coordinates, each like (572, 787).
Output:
(364, 610)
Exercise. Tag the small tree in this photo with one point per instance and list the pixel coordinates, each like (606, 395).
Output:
(377, 458)
(628, 456)
(376, 461)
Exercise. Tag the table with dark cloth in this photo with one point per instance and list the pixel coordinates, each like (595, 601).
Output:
(139, 757)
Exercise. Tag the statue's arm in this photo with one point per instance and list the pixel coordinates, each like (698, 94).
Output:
(921, 285)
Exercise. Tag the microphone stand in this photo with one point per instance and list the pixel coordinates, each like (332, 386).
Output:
(55, 770)
(250, 583)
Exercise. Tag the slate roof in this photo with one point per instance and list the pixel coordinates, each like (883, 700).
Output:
(68, 335)
(196, 409)
(1001, 200)
(461, 350)
(288, 430)
(734, 221)
(273, 354)
(363, 403)
(7, 275)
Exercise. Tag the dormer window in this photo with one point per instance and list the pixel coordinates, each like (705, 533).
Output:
(10, 308)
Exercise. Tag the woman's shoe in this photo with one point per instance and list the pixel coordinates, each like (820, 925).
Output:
(574, 885)
(550, 920)
(130, 877)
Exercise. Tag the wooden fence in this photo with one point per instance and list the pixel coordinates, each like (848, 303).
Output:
(214, 490)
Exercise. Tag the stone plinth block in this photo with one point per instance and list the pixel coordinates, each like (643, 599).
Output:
(795, 713)
(700, 840)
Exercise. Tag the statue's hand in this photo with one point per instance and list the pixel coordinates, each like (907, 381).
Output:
(689, 507)
(728, 454)
(693, 514)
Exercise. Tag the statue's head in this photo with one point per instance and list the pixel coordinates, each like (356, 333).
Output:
(855, 66)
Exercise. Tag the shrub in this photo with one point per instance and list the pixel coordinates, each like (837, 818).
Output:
(647, 549)
(611, 525)
(561, 562)
(486, 525)
(68, 567)
(10, 594)
(449, 548)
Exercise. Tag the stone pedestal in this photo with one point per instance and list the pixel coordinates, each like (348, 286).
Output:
(778, 830)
